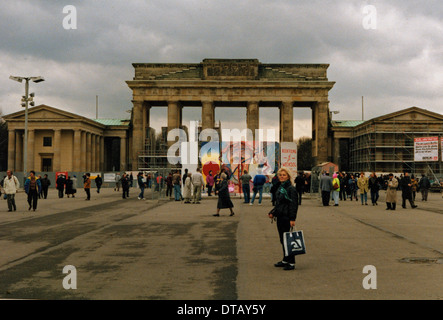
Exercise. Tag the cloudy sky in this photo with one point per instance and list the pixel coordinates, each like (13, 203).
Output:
(394, 58)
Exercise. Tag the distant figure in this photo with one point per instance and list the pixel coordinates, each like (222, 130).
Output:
(391, 192)
(32, 189)
(423, 185)
(45, 185)
(326, 188)
(224, 199)
(10, 186)
(98, 183)
(87, 185)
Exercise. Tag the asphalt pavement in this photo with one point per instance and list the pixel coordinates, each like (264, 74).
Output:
(129, 249)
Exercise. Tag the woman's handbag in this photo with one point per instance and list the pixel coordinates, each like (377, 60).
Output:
(294, 243)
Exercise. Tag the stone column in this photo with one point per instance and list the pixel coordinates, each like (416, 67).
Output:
(83, 157)
(123, 155)
(286, 121)
(97, 152)
(57, 150)
(137, 132)
(93, 152)
(208, 112)
(174, 115)
(252, 117)
(321, 134)
(102, 154)
(77, 150)
(11, 150)
(18, 150)
(88, 152)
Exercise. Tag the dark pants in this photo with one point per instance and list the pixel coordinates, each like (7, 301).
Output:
(60, 193)
(325, 196)
(209, 190)
(11, 202)
(284, 225)
(391, 205)
(45, 192)
(374, 196)
(125, 192)
(246, 192)
(300, 193)
(32, 199)
(407, 197)
(169, 190)
(88, 193)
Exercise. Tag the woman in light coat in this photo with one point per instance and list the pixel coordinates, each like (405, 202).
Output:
(391, 192)
(363, 186)
(187, 188)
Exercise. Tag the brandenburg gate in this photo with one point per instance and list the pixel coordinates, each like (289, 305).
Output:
(245, 83)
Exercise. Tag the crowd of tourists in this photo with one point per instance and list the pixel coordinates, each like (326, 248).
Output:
(347, 186)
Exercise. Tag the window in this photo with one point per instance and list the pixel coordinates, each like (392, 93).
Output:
(47, 141)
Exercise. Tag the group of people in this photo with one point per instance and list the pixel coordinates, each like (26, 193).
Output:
(32, 186)
(347, 186)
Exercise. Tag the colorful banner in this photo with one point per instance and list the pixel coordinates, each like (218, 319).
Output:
(426, 149)
(289, 157)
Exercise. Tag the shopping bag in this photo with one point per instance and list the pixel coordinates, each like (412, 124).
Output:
(294, 243)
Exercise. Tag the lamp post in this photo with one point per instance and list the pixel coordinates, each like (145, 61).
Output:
(26, 100)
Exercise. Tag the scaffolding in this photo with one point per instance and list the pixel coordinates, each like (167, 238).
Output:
(388, 146)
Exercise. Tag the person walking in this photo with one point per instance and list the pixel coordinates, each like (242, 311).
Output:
(245, 180)
(169, 185)
(125, 185)
(406, 191)
(69, 187)
(141, 185)
(258, 182)
(300, 182)
(374, 186)
(87, 185)
(10, 186)
(423, 186)
(224, 199)
(352, 184)
(335, 189)
(98, 182)
(285, 211)
(176, 181)
(187, 188)
(117, 182)
(363, 186)
(198, 183)
(210, 182)
(326, 188)
(74, 185)
(343, 185)
(45, 182)
(391, 192)
(60, 184)
(32, 189)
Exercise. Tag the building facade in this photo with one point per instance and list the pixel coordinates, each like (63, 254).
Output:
(63, 141)
(386, 143)
(218, 83)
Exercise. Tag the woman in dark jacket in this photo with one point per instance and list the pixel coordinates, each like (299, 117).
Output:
(285, 210)
(224, 199)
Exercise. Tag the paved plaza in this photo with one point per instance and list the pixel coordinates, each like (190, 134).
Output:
(168, 250)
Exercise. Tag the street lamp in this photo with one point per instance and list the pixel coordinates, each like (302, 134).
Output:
(26, 99)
